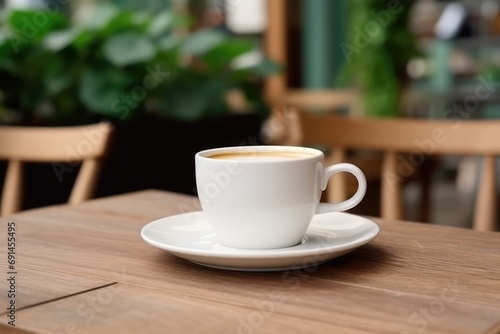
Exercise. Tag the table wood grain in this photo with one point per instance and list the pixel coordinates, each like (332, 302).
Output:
(414, 278)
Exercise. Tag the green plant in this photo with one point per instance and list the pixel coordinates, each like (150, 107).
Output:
(378, 45)
(119, 64)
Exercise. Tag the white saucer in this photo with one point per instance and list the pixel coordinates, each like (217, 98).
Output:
(190, 236)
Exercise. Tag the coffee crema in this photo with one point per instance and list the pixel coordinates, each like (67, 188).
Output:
(261, 156)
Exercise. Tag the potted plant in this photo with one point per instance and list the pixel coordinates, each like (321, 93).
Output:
(170, 91)
(378, 46)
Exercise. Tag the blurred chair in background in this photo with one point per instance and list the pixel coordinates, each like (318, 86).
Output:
(64, 147)
(405, 144)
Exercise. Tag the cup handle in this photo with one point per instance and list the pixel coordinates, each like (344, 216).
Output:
(351, 202)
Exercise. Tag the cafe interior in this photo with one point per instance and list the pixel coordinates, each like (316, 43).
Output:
(425, 60)
(104, 105)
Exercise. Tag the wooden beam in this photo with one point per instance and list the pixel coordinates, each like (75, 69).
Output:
(275, 46)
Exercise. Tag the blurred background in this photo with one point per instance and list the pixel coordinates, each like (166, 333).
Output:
(178, 76)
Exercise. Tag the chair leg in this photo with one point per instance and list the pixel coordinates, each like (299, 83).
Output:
(337, 192)
(391, 188)
(12, 189)
(484, 216)
(85, 182)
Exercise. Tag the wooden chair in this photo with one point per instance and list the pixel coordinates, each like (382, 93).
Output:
(64, 145)
(417, 139)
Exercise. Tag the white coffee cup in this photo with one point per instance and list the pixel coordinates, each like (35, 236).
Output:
(263, 197)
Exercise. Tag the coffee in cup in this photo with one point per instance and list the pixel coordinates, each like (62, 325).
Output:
(271, 156)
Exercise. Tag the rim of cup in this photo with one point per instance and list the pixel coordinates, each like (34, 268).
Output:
(313, 152)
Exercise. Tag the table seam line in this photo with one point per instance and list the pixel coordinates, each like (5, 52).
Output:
(62, 297)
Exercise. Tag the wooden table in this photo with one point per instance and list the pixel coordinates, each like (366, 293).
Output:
(85, 269)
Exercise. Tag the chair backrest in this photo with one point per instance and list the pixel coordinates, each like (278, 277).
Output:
(327, 99)
(418, 139)
(280, 129)
(64, 146)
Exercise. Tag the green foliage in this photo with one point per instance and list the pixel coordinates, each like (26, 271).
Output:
(378, 46)
(119, 64)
